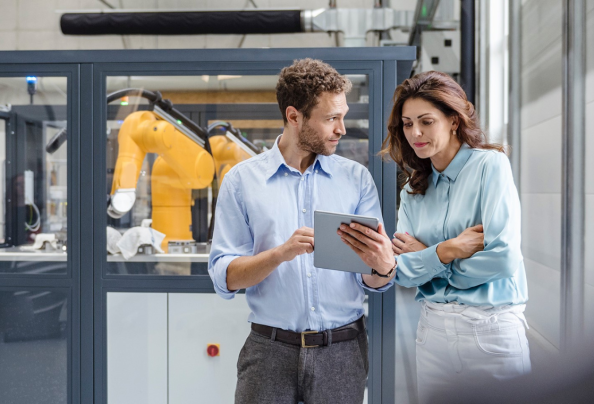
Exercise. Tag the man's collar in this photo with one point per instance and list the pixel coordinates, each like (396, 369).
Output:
(455, 166)
(276, 159)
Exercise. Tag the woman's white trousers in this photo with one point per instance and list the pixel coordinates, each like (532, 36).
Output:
(460, 346)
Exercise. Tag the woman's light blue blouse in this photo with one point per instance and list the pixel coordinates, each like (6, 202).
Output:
(477, 187)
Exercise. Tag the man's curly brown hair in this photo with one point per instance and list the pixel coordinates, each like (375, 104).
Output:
(300, 85)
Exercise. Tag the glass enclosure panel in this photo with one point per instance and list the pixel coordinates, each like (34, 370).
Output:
(158, 347)
(33, 166)
(33, 346)
(3, 120)
(163, 176)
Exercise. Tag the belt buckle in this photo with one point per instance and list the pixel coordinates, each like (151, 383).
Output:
(303, 339)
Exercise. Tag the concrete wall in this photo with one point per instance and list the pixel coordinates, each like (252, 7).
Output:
(35, 25)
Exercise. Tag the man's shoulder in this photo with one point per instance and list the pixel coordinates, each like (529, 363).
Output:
(258, 163)
(347, 165)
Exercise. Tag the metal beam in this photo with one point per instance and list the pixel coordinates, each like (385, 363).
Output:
(467, 43)
(573, 176)
(514, 102)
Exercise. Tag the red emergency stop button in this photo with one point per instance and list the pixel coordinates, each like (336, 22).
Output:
(213, 350)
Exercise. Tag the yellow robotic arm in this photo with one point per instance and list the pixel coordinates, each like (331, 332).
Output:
(226, 154)
(182, 165)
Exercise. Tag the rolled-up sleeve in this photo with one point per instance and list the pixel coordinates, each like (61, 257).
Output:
(232, 237)
(416, 268)
(500, 211)
(369, 206)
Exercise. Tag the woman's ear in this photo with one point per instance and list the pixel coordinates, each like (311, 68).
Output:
(455, 122)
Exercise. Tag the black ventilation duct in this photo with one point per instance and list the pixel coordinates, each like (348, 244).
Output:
(182, 23)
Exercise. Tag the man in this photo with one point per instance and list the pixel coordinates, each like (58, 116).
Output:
(263, 241)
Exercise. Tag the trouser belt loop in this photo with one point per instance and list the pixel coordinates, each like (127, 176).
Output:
(329, 336)
(273, 336)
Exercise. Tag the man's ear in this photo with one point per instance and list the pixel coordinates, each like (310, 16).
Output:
(294, 117)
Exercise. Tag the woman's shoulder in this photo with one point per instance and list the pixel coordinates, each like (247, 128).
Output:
(490, 159)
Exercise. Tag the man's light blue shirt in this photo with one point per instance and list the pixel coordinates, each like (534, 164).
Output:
(477, 187)
(262, 201)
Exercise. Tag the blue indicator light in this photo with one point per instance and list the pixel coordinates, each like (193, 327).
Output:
(31, 79)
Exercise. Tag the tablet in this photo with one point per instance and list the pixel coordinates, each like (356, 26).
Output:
(330, 252)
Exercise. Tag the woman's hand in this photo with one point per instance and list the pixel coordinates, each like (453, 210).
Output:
(465, 245)
(403, 243)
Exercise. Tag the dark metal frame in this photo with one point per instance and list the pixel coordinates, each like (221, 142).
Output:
(87, 112)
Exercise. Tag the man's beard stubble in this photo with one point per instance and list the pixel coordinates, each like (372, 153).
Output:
(310, 140)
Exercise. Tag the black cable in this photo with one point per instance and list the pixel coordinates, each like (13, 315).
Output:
(234, 131)
(155, 98)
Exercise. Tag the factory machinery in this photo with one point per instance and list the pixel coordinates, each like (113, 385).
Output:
(190, 157)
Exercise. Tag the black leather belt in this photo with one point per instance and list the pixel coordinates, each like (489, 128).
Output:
(312, 339)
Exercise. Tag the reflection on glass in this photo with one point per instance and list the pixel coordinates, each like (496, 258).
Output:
(33, 166)
(170, 142)
(33, 347)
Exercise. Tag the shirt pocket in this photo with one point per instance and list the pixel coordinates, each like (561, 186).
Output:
(500, 343)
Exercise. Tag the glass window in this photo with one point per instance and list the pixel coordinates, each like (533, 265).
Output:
(163, 176)
(33, 346)
(33, 166)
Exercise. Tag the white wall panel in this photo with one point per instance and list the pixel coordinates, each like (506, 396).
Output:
(137, 348)
(543, 308)
(541, 27)
(302, 40)
(38, 15)
(589, 312)
(68, 5)
(8, 40)
(223, 41)
(36, 40)
(541, 229)
(541, 145)
(101, 42)
(66, 42)
(195, 320)
(589, 242)
(8, 16)
(544, 106)
(541, 157)
(590, 147)
(589, 224)
(181, 41)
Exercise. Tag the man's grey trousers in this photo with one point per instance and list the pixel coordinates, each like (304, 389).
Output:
(275, 372)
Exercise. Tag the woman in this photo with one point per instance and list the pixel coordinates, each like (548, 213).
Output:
(457, 239)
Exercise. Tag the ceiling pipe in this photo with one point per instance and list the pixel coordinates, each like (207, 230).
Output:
(182, 22)
(354, 23)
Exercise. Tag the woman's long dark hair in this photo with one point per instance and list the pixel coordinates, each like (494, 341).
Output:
(446, 95)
